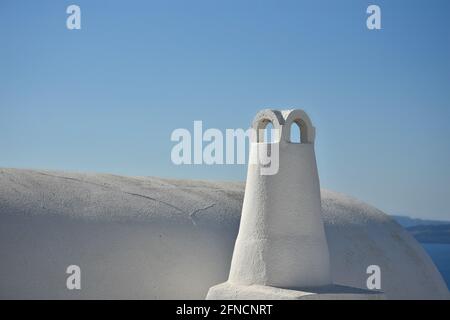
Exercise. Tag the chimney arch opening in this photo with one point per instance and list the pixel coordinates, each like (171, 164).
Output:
(296, 133)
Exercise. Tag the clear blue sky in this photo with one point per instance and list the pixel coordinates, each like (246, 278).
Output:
(107, 97)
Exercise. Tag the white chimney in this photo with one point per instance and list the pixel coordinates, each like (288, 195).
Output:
(281, 248)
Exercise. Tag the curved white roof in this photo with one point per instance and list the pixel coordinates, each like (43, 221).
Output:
(142, 237)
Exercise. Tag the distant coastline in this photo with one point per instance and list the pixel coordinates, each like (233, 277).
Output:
(426, 231)
(431, 234)
(434, 236)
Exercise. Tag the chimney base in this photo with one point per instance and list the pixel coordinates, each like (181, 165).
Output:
(228, 291)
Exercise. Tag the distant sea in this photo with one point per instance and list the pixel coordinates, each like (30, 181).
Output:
(440, 253)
